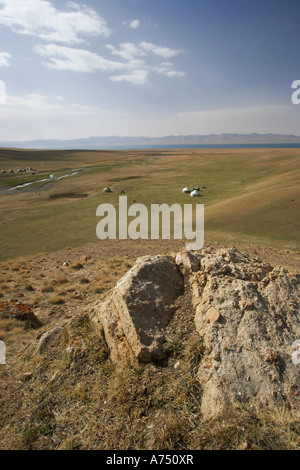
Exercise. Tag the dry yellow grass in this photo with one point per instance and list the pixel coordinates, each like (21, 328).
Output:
(63, 399)
(47, 287)
(62, 279)
(73, 397)
(56, 299)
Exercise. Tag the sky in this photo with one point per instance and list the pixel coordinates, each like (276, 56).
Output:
(72, 69)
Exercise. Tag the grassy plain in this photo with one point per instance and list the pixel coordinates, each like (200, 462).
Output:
(52, 262)
(251, 195)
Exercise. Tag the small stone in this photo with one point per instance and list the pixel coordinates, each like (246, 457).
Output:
(243, 446)
(187, 262)
(56, 376)
(49, 339)
(213, 315)
(247, 305)
(78, 297)
(199, 310)
(27, 376)
(271, 356)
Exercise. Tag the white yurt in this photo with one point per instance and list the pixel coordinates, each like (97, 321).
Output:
(107, 190)
(195, 193)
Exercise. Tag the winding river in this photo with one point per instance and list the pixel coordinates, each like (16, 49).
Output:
(48, 182)
(57, 176)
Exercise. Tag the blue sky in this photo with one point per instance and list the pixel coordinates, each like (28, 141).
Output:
(148, 67)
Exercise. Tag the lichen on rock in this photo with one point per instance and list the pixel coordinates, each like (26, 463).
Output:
(246, 313)
(139, 308)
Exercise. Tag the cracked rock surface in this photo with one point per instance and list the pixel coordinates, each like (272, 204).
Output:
(248, 316)
(246, 313)
(139, 308)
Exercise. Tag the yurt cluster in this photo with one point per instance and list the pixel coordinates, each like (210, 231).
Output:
(195, 192)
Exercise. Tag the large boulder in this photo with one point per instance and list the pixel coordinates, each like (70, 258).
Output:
(134, 317)
(247, 314)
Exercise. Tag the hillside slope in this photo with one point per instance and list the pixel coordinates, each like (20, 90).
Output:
(62, 391)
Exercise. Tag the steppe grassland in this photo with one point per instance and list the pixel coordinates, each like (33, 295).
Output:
(50, 263)
(251, 195)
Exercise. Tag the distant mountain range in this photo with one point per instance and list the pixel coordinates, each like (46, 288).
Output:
(173, 140)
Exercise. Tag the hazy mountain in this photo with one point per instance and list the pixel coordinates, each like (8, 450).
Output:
(211, 139)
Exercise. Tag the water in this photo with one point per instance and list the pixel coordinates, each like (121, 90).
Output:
(162, 146)
(53, 178)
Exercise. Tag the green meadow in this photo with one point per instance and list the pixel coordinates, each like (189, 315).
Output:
(250, 195)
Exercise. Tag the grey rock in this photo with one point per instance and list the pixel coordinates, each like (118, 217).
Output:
(248, 349)
(139, 308)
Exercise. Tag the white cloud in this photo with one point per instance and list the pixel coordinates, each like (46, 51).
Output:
(164, 52)
(137, 77)
(166, 68)
(4, 59)
(136, 70)
(65, 28)
(33, 102)
(36, 115)
(127, 50)
(136, 57)
(135, 24)
(39, 105)
(41, 19)
(76, 60)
